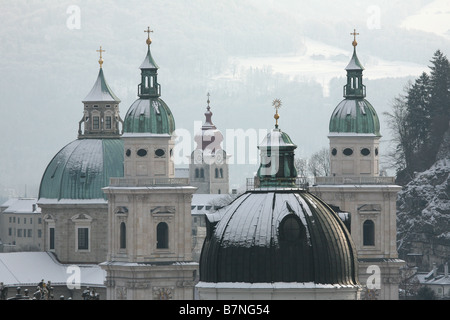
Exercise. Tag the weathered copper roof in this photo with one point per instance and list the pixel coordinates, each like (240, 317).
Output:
(150, 115)
(355, 116)
(279, 235)
(101, 91)
(81, 169)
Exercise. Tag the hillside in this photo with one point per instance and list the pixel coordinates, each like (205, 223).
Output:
(423, 217)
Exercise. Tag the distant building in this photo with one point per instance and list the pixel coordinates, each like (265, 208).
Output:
(21, 225)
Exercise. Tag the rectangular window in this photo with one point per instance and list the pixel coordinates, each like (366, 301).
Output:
(39, 220)
(39, 233)
(52, 239)
(95, 123)
(83, 238)
(19, 233)
(30, 232)
(108, 122)
(31, 220)
(9, 231)
(25, 220)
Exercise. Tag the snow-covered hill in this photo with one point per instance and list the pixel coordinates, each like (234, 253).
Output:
(423, 217)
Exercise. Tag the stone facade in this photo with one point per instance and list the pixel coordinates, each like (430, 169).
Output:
(79, 232)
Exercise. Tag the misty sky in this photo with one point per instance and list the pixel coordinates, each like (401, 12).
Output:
(48, 63)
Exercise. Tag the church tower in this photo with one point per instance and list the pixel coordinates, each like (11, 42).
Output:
(357, 189)
(208, 168)
(149, 211)
(73, 204)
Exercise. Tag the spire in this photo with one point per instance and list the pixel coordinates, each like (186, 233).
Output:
(101, 92)
(149, 87)
(100, 61)
(277, 105)
(354, 89)
(208, 115)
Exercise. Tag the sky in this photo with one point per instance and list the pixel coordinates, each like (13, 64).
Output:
(245, 53)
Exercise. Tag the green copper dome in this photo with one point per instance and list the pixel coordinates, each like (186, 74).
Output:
(355, 116)
(151, 115)
(81, 169)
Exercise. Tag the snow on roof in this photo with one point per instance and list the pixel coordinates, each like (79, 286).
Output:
(29, 268)
(21, 205)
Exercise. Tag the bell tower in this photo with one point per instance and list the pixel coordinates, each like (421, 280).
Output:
(208, 168)
(366, 200)
(149, 211)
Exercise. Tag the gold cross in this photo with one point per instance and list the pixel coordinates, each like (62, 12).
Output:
(101, 59)
(149, 41)
(354, 34)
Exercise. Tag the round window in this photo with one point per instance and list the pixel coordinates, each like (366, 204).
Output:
(348, 151)
(142, 152)
(334, 151)
(376, 151)
(128, 152)
(159, 152)
(365, 151)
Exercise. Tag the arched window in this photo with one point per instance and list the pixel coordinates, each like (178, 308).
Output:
(202, 173)
(162, 236)
(221, 172)
(368, 233)
(123, 236)
(291, 229)
(216, 173)
(197, 173)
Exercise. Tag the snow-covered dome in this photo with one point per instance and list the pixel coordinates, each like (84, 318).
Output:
(282, 235)
(277, 232)
(81, 169)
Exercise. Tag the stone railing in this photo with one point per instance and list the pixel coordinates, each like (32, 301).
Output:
(354, 180)
(144, 182)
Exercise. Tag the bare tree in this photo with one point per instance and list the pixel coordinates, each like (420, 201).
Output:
(301, 165)
(319, 163)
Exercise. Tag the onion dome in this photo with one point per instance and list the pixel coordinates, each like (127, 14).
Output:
(354, 114)
(209, 137)
(278, 233)
(81, 169)
(149, 113)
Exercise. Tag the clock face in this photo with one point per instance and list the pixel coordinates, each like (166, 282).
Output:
(198, 157)
(219, 157)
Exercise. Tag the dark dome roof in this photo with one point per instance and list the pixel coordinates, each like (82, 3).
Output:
(151, 115)
(81, 169)
(284, 235)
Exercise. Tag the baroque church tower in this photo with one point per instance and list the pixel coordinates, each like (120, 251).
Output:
(208, 168)
(149, 210)
(356, 187)
(73, 204)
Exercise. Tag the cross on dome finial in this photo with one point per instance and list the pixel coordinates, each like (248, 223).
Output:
(100, 61)
(149, 41)
(208, 107)
(354, 34)
(277, 105)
